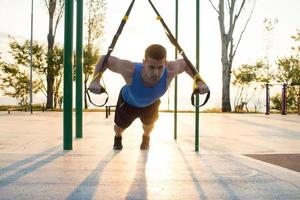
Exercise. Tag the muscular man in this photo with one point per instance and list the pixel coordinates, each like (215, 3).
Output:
(145, 83)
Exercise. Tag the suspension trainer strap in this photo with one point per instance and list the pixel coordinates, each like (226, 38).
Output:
(110, 50)
(119, 31)
(101, 91)
(97, 105)
(181, 52)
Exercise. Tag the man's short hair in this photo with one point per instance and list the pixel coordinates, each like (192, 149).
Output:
(156, 51)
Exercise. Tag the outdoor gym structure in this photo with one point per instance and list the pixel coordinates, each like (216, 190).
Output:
(283, 97)
(68, 49)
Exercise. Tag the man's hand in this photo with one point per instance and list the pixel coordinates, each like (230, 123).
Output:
(96, 88)
(201, 88)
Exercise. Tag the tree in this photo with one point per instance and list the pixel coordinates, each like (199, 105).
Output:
(291, 100)
(15, 80)
(90, 57)
(244, 76)
(95, 25)
(296, 38)
(288, 72)
(55, 10)
(248, 79)
(57, 64)
(18, 70)
(296, 48)
(269, 27)
(227, 24)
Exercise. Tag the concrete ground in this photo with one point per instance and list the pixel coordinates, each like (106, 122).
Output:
(33, 164)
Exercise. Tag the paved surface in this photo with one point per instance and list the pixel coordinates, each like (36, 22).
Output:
(33, 164)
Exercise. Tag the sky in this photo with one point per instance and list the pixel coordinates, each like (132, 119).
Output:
(142, 29)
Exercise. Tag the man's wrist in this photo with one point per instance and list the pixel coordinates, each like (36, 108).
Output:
(197, 79)
(98, 76)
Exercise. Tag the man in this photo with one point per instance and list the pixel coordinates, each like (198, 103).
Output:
(145, 83)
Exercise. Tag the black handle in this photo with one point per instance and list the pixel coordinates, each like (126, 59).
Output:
(102, 90)
(195, 92)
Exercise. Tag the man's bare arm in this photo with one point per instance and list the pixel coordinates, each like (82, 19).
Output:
(178, 66)
(123, 67)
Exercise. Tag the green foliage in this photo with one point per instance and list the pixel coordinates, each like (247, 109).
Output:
(296, 38)
(291, 100)
(14, 76)
(96, 10)
(276, 102)
(288, 70)
(21, 54)
(247, 74)
(91, 57)
(37, 107)
(15, 83)
(57, 60)
(55, 10)
(246, 78)
(244, 75)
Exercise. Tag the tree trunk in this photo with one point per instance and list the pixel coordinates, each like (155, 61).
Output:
(50, 38)
(226, 69)
(50, 82)
(56, 95)
(228, 47)
(226, 106)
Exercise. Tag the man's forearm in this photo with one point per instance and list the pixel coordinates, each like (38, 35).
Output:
(190, 72)
(99, 69)
(196, 77)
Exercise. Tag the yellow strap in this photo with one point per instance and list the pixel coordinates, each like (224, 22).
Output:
(197, 78)
(97, 75)
(125, 18)
(158, 17)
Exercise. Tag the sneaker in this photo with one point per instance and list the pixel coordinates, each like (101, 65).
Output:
(118, 143)
(145, 143)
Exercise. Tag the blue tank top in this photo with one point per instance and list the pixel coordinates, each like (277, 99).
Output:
(136, 94)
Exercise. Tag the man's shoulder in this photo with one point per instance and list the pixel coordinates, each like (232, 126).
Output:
(175, 67)
(171, 66)
(122, 66)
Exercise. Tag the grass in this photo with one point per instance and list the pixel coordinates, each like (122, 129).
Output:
(39, 107)
(21, 108)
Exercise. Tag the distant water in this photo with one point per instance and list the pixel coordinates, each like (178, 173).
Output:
(7, 101)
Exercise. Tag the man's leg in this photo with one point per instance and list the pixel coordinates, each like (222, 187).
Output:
(146, 136)
(118, 130)
(124, 116)
(118, 137)
(148, 129)
(148, 118)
